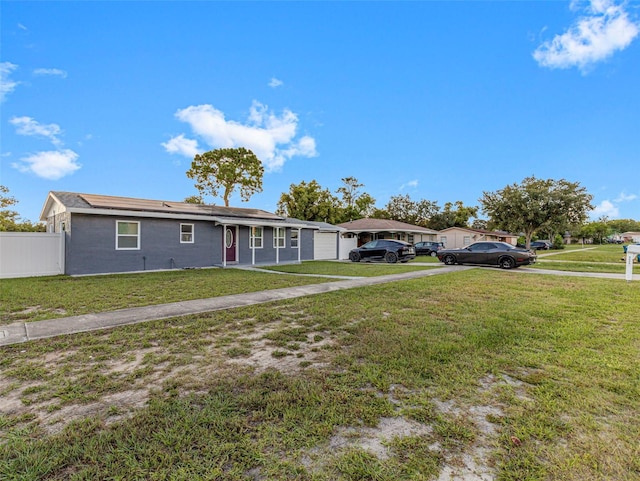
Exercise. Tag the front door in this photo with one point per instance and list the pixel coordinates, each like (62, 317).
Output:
(230, 243)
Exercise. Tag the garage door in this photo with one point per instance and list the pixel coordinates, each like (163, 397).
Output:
(324, 245)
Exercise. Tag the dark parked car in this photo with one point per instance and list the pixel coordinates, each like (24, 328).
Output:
(383, 250)
(428, 248)
(488, 253)
(541, 245)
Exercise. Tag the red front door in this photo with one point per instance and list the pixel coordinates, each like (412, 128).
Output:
(230, 244)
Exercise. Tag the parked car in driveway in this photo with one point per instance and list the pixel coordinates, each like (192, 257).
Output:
(498, 254)
(388, 250)
(428, 248)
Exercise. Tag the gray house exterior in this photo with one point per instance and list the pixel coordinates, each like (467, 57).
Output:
(107, 234)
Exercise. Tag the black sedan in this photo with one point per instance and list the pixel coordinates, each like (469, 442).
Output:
(488, 253)
(383, 250)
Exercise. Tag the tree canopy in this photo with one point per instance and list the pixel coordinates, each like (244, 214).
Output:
(225, 170)
(549, 206)
(309, 201)
(10, 219)
(354, 204)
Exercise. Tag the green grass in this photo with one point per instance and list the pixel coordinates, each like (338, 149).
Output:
(550, 363)
(36, 298)
(601, 258)
(351, 269)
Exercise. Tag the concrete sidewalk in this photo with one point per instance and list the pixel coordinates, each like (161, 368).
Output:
(27, 331)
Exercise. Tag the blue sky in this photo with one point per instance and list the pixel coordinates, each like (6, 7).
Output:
(437, 100)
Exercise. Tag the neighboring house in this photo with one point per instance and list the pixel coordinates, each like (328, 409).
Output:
(105, 234)
(455, 237)
(368, 229)
(630, 236)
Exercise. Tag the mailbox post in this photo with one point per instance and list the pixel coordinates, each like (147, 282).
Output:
(632, 251)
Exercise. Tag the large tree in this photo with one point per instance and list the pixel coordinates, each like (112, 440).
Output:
(354, 203)
(549, 206)
(402, 208)
(225, 170)
(309, 201)
(452, 217)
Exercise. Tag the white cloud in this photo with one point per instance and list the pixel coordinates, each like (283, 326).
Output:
(6, 84)
(605, 208)
(31, 127)
(626, 197)
(51, 165)
(599, 33)
(181, 145)
(270, 136)
(411, 183)
(274, 82)
(55, 72)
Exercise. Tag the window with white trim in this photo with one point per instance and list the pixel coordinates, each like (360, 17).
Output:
(186, 233)
(294, 238)
(127, 235)
(278, 237)
(255, 237)
(466, 240)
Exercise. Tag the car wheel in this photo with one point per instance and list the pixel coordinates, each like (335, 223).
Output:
(354, 257)
(433, 253)
(391, 257)
(449, 260)
(507, 263)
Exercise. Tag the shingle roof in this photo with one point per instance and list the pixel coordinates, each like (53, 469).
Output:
(93, 201)
(383, 225)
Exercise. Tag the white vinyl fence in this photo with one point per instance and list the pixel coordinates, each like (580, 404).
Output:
(346, 244)
(26, 254)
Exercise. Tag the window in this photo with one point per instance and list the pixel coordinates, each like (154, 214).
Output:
(410, 238)
(255, 237)
(127, 235)
(186, 233)
(466, 240)
(278, 237)
(294, 238)
(443, 239)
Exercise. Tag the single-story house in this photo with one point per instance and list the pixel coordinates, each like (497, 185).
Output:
(630, 236)
(368, 229)
(455, 237)
(105, 234)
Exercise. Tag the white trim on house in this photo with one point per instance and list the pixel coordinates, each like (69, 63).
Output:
(187, 237)
(127, 236)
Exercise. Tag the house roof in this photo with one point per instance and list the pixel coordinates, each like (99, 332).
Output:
(321, 226)
(129, 206)
(383, 225)
(495, 233)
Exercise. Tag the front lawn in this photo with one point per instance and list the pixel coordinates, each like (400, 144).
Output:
(602, 258)
(482, 371)
(349, 269)
(36, 298)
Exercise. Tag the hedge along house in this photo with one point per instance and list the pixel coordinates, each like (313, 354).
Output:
(106, 234)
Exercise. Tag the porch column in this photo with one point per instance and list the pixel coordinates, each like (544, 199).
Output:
(252, 239)
(224, 245)
(299, 243)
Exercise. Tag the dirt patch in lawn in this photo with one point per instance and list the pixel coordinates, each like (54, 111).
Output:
(286, 346)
